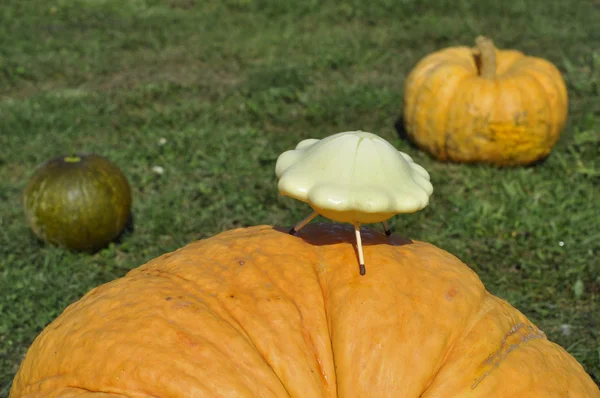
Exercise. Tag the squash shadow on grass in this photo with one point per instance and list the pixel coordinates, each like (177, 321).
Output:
(129, 229)
(321, 234)
(400, 128)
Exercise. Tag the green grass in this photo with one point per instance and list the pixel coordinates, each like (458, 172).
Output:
(230, 84)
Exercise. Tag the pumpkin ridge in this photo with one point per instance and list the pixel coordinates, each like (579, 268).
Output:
(507, 61)
(272, 272)
(304, 329)
(106, 393)
(549, 79)
(320, 274)
(443, 67)
(485, 308)
(260, 352)
(443, 104)
(495, 359)
(212, 307)
(481, 321)
(460, 337)
(236, 325)
(85, 391)
(536, 146)
(233, 320)
(451, 118)
(321, 369)
(445, 144)
(504, 130)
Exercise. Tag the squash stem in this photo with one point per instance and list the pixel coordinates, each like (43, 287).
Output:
(485, 57)
(72, 159)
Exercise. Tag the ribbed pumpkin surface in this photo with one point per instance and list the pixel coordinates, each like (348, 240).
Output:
(258, 313)
(507, 110)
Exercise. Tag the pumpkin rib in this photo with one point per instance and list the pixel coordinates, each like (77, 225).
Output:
(256, 346)
(503, 130)
(185, 334)
(234, 322)
(172, 277)
(460, 57)
(83, 380)
(506, 61)
(447, 150)
(324, 295)
(548, 79)
(459, 345)
(438, 79)
(449, 84)
(465, 332)
(504, 354)
(321, 275)
(248, 340)
(279, 279)
(403, 260)
(80, 392)
(415, 81)
(533, 91)
(305, 332)
(476, 316)
(453, 117)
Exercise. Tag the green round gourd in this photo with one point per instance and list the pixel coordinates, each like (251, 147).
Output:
(80, 202)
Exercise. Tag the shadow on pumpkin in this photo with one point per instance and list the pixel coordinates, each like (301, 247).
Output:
(320, 234)
(402, 133)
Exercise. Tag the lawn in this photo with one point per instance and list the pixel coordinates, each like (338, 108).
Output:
(213, 91)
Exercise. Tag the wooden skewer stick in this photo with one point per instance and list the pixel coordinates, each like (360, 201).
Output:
(361, 257)
(386, 229)
(359, 248)
(302, 223)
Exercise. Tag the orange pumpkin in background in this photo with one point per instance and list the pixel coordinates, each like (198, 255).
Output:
(485, 105)
(258, 313)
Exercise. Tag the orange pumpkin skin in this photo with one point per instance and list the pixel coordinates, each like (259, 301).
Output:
(485, 105)
(257, 312)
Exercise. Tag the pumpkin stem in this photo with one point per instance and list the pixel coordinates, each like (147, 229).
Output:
(485, 57)
(72, 159)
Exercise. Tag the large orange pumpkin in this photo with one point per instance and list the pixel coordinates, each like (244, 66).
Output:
(258, 313)
(485, 105)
